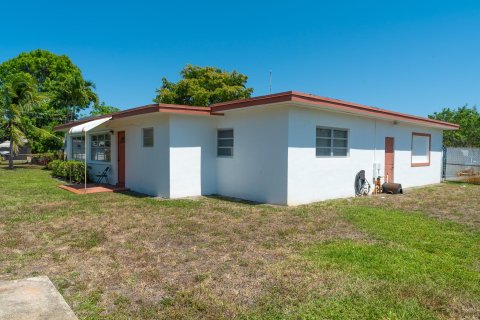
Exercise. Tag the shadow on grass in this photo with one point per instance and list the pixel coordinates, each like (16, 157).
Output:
(22, 166)
(134, 194)
(234, 200)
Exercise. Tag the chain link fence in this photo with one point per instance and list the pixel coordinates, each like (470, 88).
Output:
(461, 164)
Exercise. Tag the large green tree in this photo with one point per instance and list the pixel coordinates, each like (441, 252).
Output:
(102, 108)
(203, 86)
(469, 120)
(18, 95)
(66, 93)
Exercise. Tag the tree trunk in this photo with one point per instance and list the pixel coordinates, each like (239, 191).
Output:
(10, 156)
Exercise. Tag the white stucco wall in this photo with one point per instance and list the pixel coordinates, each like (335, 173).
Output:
(258, 169)
(147, 168)
(192, 156)
(312, 178)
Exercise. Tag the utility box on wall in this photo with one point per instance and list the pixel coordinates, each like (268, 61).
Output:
(377, 169)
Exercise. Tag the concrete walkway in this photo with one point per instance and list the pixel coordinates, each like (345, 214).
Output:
(33, 299)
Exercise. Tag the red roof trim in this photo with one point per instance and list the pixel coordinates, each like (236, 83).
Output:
(289, 96)
(292, 96)
(151, 108)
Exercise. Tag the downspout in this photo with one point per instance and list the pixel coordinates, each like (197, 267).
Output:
(375, 142)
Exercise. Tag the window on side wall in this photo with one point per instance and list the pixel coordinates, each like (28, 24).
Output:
(421, 143)
(78, 148)
(100, 147)
(225, 143)
(332, 142)
(147, 137)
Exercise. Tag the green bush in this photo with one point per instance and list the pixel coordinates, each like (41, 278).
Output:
(73, 171)
(53, 165)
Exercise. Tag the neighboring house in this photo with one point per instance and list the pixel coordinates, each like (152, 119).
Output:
(287, 148)
(23, 151)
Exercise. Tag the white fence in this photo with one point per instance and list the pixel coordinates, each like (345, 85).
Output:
(461, 164)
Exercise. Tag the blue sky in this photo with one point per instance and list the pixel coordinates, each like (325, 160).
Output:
(408, 56)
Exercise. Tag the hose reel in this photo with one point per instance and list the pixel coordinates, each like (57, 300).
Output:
(362, 187)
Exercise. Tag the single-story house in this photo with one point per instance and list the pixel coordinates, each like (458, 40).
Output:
(23, 151)
(288, 148)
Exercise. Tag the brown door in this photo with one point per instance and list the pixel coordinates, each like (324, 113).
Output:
(121, 158)
(389, 159)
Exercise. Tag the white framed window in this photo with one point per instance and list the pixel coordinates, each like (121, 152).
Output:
(78, 148)
(332, 142)
(100, 147)
(421, 145)
(225, 142)
(147, 134)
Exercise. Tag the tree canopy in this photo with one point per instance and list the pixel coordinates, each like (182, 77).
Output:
(64, 90)
(102, 108)
(203, 86)
(469, 120)
(59, 79)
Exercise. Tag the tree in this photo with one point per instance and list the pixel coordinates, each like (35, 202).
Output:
(58, 78)
(102, 108)
(19, 94)
(469, 120)
(203, 86)
(66, 93)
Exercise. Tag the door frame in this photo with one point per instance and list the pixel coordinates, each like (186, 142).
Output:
(390, 178)
(120, 159)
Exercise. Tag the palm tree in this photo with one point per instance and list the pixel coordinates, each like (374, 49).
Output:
(18, 94)
(74, 94)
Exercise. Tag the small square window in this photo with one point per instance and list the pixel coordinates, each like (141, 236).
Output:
(147, 137)
(332, 142)
(421, 149)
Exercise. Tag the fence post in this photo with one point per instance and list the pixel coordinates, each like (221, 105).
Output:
(444, 164)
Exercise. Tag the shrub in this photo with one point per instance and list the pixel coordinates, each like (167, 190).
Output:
(53, 165)
(73, 171)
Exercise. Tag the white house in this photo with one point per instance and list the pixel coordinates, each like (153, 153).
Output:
(288, 148)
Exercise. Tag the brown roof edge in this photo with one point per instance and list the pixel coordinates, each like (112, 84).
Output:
(293, 96)
(150, 108)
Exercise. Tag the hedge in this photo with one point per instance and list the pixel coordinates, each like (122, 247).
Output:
(73, 171)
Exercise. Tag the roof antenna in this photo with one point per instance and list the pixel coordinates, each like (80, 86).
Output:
(270, 81)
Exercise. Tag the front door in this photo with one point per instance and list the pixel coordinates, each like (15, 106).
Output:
(389, 158)
(121, 158)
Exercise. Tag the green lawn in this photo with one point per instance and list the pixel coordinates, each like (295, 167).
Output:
(126, 256)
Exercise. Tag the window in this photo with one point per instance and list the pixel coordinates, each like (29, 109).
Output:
(421, 149)
(100, 147)
(147, 137)
(78, 148)
(225, 143)
(332, 142)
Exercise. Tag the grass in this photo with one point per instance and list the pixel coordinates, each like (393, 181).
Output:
(125, 256)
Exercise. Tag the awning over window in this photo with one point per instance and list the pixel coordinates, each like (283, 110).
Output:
(87, 126)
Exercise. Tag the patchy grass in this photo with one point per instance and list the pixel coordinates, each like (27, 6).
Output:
(423, 267)
(451, 201)
(124, 256)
